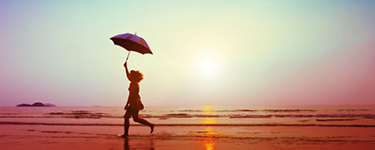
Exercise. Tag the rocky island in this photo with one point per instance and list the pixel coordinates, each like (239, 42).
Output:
(36, 104)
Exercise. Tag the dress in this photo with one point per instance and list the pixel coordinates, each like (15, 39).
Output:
(135, 103)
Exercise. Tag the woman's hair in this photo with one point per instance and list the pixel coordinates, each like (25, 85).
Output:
(136, 76)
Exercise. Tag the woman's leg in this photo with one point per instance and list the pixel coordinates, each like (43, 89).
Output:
(127, 115)
(143, 121)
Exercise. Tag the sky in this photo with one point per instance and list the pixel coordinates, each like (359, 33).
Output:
(206, 52)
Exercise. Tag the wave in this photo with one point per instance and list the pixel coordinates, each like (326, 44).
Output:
(353, 110)
(336, 119)
(186, 115)
(253, 110)
(81, 115)
(370, 116)
(187, 124)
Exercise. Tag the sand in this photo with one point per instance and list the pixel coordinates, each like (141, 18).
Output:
(62, 137)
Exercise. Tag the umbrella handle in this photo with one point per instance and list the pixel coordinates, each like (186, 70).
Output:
(127, 57)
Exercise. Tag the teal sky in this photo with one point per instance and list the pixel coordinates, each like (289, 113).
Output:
(318, 52)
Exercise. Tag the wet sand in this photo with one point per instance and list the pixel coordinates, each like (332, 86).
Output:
(43, 137)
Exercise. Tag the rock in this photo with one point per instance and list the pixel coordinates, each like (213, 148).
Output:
(36, 104)
(23, 105)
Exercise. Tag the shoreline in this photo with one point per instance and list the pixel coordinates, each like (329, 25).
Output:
(189, 124)
(42, 137)
(200, 128)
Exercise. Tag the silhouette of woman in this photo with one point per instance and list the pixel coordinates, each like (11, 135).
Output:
(134, 104)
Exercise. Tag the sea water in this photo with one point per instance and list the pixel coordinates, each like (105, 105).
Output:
(319, 116)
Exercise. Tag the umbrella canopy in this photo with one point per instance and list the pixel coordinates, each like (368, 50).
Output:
(131, 42)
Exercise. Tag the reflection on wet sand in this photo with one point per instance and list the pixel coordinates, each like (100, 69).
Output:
(141, 144)
(208, 134)
(209, 141)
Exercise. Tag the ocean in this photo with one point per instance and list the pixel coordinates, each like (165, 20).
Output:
(317, 116)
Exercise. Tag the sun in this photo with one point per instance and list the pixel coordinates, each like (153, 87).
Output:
(207, 64)
(209, 67)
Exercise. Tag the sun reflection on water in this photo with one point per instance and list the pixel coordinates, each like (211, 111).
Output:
(208, 120)
(208, 134)
(208, 110)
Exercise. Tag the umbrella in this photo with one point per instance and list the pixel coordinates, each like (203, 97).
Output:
(131, 42)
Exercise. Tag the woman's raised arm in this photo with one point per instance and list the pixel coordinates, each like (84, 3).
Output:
(127, 71)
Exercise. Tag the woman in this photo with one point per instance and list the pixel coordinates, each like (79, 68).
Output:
(134, 104)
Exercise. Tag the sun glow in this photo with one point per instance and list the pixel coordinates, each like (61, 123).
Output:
(207, 61)
(208, 67)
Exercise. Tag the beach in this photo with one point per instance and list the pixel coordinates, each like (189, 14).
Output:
(199, 127)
